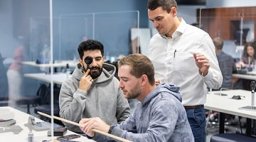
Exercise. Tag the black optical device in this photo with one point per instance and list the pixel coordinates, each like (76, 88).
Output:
(88, 60)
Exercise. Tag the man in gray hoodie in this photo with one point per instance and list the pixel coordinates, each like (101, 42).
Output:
(159, 115)
(92, 91)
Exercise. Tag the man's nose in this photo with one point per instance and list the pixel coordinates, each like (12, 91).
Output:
(155, 24)
(121, 85)
(94, 62)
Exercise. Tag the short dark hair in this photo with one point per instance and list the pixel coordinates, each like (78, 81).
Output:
(218, 42)
(140, 65)
(253, 45)
(90, 45)
(165, 4)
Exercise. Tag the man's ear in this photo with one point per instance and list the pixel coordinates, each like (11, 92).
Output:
(144, 79)
(174, 11)
(80, 64)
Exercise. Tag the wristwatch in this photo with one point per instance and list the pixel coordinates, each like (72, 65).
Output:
(111, 128)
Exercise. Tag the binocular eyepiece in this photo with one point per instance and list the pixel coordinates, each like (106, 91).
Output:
(88, 60)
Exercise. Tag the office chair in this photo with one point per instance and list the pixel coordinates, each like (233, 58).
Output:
(45, 105)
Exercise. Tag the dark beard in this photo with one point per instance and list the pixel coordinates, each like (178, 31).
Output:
(95, 72)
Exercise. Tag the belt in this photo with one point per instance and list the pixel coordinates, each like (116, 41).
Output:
(193, 107)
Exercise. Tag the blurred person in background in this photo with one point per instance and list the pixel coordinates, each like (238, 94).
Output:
(15, 77)
(247, 63)
(248, 59)
(226, 63)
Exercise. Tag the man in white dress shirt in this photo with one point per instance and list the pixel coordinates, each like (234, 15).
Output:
(184, 55)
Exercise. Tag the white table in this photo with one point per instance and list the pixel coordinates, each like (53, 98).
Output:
(224, 104)
(62, 63)
(245, 76)
(57, 78)
(22, 135)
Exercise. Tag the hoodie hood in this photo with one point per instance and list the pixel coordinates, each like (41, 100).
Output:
(164, 87)
(107, 73)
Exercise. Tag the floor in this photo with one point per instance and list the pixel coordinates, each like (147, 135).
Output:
(233, 125)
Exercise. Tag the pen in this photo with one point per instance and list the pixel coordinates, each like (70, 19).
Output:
(174, 53)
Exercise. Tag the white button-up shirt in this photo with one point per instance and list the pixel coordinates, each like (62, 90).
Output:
(174, 62)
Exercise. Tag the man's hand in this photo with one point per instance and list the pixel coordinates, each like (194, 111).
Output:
(86, 81)
(88, 124)
(203, 63)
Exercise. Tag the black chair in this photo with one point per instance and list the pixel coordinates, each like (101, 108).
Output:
(231, 137)
(28, 100)
(45, 105)
(3, 101)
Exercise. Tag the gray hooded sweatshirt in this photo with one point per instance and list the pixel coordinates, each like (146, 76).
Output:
(160, 117)
(104, 99)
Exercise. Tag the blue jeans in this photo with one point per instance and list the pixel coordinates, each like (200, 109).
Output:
(196, 118)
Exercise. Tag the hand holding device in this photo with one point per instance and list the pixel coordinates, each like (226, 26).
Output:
(87, 60)
(86, 81)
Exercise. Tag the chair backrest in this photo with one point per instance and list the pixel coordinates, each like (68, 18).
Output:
(44, 92)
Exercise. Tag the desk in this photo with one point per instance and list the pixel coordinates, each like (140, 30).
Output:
(57, 78)
(62, 63)
(224, 104)
(245, 76)
(22, 135)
